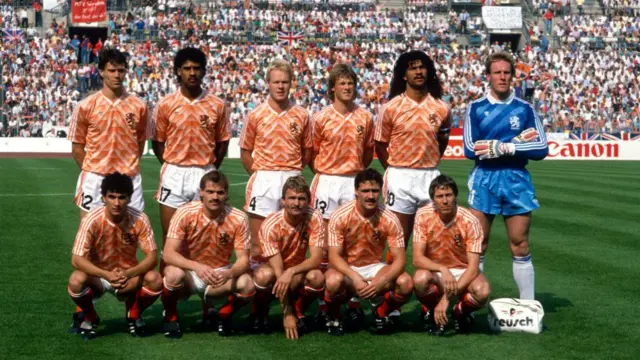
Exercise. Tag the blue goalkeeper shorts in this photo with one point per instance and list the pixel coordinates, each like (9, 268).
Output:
(501, 191)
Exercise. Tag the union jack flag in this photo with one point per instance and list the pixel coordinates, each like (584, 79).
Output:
(583, 135)
(287, 38)
(611, 137)
(12, 35)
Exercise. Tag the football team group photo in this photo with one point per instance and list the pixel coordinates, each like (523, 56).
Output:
(338, 240)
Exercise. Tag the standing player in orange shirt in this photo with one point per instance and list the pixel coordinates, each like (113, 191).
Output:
(358, 233)
(342, 147)
(447, 245)
(284, 238)
(201, 239)
(411, 135)
(275, 144)
(108, 130)
(104, 258)
(191, 133)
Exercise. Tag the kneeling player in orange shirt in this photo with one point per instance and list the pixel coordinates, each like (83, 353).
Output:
(284, 238)
(358, 233)
(201, 238)
(104, 258)
(447, 244)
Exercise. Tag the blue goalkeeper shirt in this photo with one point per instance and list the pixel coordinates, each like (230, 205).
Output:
(491, 119)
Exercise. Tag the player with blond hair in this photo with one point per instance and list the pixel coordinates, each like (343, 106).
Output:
(275, 144)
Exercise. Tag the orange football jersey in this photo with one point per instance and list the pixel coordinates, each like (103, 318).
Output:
(277, 236)
(340, 141)
(277, 140)
(411, 130)
(110, 132)
(363, 240)
(209, 241)
(108, 245)
(448, 244)
(190, 129)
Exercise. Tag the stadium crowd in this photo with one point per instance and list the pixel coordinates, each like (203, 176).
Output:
(573, 86)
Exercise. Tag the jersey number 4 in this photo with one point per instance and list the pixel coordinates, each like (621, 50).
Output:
(252, 203)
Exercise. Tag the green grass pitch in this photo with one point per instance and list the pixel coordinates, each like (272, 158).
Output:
(584, 245)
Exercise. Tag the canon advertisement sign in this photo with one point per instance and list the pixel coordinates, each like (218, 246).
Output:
(568, 150)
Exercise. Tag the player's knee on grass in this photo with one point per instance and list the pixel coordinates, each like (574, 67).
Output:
(244, 285)
(422, 279)
(334, 281)
(264, 276)
(77, 281)
(153, 280)
(314, 279)
(404, 284)
(174, 275)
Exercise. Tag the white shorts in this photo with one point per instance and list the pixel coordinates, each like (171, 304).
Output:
(457, 273)
(89, 196)
(106, 288)
(197, 285)
(180, 184)
(328, 192)
(264, 191)
(406, 190)
(368, 271)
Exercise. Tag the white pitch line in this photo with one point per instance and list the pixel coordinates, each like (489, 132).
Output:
(72, 194)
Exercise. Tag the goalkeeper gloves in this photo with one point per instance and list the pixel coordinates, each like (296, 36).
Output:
(493, 149)
(526, 136)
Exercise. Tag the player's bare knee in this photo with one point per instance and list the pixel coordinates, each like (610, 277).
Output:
(314, 279)
(77, 280)
(153, 280)
(404, 284)
(481, 291)
(264, 276)
(245, 284)
(334, 281)
(421, 279)
(174, 275)
(519, 246)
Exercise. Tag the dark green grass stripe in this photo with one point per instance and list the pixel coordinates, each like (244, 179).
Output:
(600, 182)
(593, 192)
(624, 214)
(620, 241)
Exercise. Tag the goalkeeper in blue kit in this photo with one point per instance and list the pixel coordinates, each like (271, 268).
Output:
(501, 133)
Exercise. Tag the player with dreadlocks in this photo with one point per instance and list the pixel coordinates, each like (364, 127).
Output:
(411, 135)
